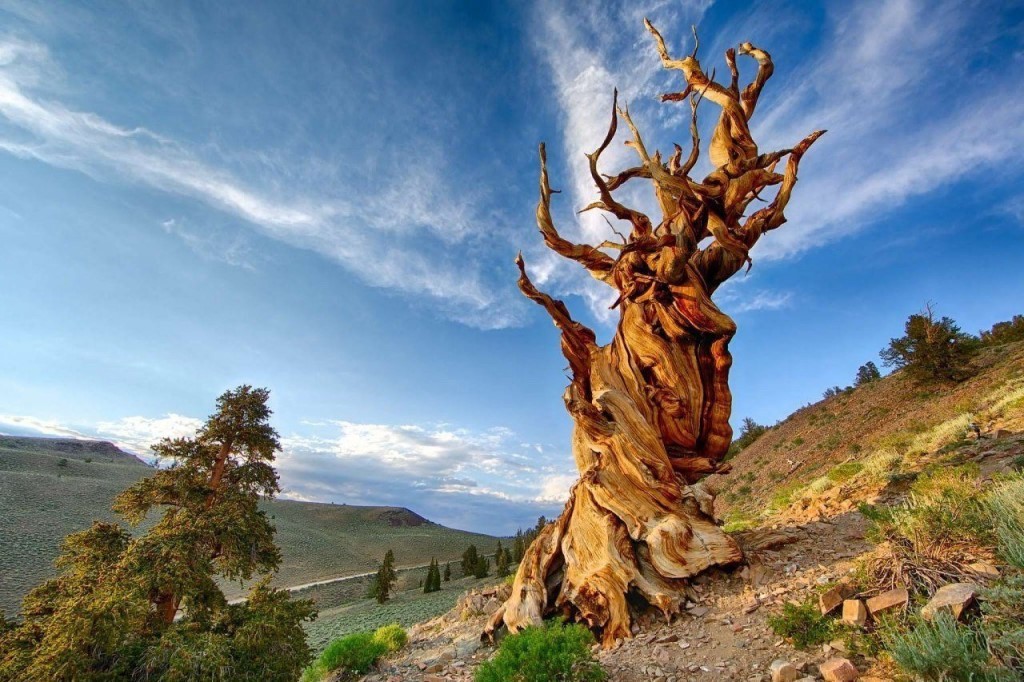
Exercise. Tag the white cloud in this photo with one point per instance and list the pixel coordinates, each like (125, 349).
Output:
(134, 434)
(483, 480)
(36, 425)
(380, 237)
(556, 488)
(214, 245)
(139, 433)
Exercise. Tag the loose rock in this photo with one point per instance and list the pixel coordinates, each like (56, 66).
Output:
(954, 598)
(838, 670)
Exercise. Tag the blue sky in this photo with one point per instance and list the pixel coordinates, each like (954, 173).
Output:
(326, 198)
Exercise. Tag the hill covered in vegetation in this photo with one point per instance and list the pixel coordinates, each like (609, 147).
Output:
(826, 443)
(52, 487)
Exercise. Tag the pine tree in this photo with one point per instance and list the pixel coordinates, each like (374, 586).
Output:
(501, 561)
(448, 571)
(469, 561)
(482, 568)
(433, 580)
(518, 547)
(113, 613)
(867, 373)
(385, 579)
(931, 349)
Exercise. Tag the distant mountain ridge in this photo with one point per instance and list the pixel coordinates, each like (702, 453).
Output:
(69, 446)
(50, 487)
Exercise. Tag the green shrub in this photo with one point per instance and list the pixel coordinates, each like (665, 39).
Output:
(882, 464)
(744, 490)
(783, 497)
(1005, 503)
(392, 636)
(737, 520)
(817, 487)
(945, 507)
(552, 652)
(803, 624)
(798, 441)
(1003, 625)
(942, 651)
(354, 654)
(844, 472)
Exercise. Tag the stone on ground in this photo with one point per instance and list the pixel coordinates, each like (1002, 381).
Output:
(838, 670)
(783, 671)
(954, 598)
(888, 601)
(854, 612)
(832, 598)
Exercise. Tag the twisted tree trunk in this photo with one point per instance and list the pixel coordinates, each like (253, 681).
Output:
(651, 409)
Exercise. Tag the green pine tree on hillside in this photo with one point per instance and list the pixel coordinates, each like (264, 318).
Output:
(150, 607)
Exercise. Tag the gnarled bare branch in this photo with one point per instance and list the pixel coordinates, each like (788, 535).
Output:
(598, 264)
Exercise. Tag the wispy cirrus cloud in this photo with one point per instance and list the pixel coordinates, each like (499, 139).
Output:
(891, 80)
(393, 238)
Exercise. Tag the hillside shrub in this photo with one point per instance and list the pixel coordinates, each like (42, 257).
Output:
(392, 636)
(942, 651)
(844, 472)
(549, 653)
(352, 655)
(944, 433)
(882, 464)
(935, 534)
(867, 373)
(1003, 624)
(1006, 397)
(750, 431)
(1005, 503)
(931, 349)
(783, 497)
(803, 624)
(1004, 332)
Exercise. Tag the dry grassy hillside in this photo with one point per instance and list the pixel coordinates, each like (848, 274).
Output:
(892, 415)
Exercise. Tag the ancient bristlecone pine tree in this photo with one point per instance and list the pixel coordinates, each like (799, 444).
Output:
(651, 409)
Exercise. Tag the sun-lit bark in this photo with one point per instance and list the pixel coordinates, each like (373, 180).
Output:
(651, 409)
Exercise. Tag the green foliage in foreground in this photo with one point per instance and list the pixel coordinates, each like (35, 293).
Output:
(356, 653)
(149, 607)
(948, 507)
(554, 652)
(943, 651)
(803, 624)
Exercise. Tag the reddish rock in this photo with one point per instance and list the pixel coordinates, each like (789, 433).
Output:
(888, 601)
(838, 670)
